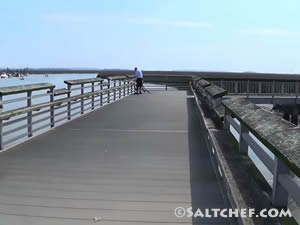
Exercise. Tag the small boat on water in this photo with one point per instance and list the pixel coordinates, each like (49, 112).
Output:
(4, 75)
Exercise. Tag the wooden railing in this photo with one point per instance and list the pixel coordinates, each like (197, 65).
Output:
(20, 122)
(260, 129)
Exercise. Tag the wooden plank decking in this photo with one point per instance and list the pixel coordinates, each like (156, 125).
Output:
(131, 162)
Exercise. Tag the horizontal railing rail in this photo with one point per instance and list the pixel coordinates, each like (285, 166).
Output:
(62, 105)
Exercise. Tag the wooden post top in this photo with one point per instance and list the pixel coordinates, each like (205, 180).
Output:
(25, 88)
(82, 81)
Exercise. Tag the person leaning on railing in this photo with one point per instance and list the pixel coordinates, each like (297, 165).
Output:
(139, 80)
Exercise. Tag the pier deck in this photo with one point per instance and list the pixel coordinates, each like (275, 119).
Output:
(131, 162)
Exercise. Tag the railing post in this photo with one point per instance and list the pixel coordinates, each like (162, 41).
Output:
(69, 103)
(82, 99)
(124, 88)
(226, 125)
(273, 91)
(259, 87)
(297, 90)
(115, 84)
(93, 96)
(279, 194)
(108, 92)
(236, 87)
(1, 125)
(101, 94)
(243, 145)
(248, 88)
(29, 114)
(129, 88)
(282, 87)
(222, 83)
(120, 89)
(52, 108)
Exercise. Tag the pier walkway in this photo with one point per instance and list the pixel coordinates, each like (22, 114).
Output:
(131, 162)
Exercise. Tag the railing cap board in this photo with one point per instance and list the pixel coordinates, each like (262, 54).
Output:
(82, 81)
(117, 78)
(215, 91)
(130, 76)
(25, 88)
(203, 83)
(195, 78)
(280, 136)
(220, 111)
(15, 112)
(61, 91)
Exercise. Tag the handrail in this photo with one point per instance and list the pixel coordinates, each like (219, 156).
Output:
(11, 113)
(253, 123)
(24, 88)
(116, 77)
(278, 135)
(82, 81)
(96, 98)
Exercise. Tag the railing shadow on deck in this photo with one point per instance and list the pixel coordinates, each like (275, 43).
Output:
(207, 191)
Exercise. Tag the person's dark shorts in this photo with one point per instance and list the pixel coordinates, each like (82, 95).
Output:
(139, 82)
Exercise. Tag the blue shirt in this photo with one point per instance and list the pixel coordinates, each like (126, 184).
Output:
(138, 74)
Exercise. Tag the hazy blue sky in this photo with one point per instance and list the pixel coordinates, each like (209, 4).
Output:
(231, 35)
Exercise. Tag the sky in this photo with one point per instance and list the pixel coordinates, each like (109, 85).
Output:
(202, 35)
